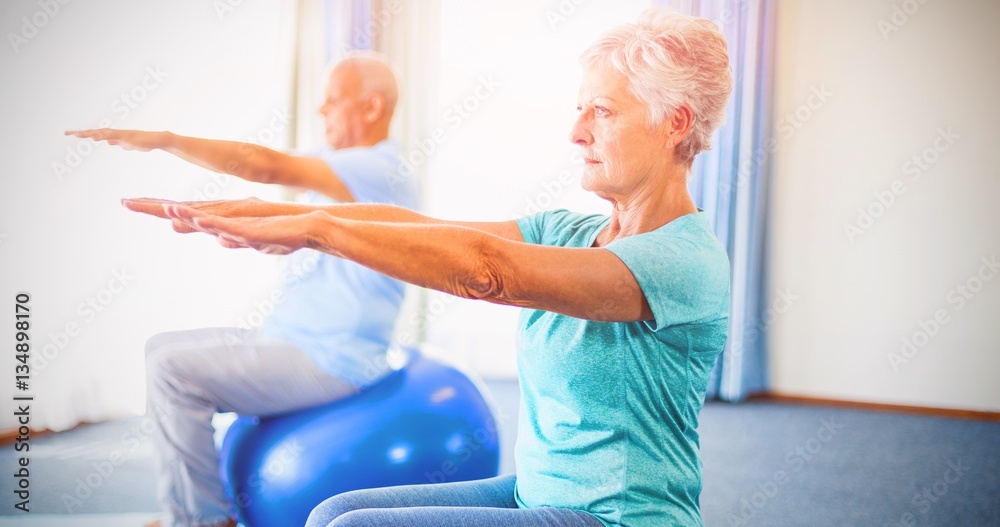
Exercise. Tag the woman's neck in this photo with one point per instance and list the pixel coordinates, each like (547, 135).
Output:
(647, 211)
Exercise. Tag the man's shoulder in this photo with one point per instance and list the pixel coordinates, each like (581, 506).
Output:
(388, 149)
(373, 173)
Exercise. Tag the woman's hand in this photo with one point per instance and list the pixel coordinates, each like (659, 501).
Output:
(270, 235)
(249, 207)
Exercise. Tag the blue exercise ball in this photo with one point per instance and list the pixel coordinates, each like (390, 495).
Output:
(424, 423)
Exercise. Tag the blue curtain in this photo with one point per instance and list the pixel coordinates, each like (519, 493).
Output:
(730, 182)
(348, 27)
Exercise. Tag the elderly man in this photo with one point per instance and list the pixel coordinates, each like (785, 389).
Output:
(326, 338)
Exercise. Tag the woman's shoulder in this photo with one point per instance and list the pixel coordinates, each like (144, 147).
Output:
(681, 250)
(561, 227)
(690, 234)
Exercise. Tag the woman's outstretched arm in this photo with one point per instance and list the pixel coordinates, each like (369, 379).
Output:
(460, 260)
(373, 212)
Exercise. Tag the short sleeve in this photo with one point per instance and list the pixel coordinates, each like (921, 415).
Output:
(558, 227)
(370, 176)
(684, 280)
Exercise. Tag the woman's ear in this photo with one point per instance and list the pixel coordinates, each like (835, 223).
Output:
(679, 125)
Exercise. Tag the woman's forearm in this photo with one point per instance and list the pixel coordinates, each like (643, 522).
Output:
(440, 256)
(376, 212)
(380, 213)
(373, 212)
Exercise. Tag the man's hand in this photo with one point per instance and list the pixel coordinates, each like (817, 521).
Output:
(270, 235)
(128, 139)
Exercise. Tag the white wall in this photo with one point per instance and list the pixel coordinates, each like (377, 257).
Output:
(856, 297)
(63, 239)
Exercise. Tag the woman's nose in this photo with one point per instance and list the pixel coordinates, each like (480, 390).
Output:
(580, 133)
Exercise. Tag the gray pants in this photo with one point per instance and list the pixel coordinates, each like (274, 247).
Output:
(191, 375)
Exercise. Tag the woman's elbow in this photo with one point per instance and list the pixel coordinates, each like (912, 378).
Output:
(489, 278)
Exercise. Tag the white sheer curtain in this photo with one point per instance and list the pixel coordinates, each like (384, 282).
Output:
(408, 33)
(305, 32)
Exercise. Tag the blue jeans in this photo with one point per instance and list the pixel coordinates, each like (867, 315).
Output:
(487, 502)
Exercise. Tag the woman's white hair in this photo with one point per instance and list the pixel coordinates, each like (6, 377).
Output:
(671, 60)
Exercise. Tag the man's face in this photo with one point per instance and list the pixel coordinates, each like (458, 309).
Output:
(342, 109)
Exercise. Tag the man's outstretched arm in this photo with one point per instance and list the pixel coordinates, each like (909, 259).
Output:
(244, 160)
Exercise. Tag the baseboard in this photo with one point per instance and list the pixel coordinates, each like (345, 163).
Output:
(877, 407)
(9, 437)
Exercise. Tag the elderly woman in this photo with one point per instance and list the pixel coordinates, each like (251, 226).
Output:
(624, 315)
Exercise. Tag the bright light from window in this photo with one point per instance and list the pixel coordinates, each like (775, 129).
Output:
(507, 102)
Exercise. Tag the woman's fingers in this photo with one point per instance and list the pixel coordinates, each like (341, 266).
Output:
(181, 227)
(262, 234)
(230, 244)
(151, 206)
(207, 223)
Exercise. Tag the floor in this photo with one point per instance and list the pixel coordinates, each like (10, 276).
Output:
(765, 464)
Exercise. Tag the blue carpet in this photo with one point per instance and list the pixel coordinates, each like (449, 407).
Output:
(784, 465)
(765, 464)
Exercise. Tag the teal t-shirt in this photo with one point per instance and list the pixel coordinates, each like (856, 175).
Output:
(609, 410)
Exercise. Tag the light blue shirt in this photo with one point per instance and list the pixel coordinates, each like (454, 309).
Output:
(338, 312)
(609, 411)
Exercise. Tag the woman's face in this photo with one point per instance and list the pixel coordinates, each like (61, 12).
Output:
(621, 151)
